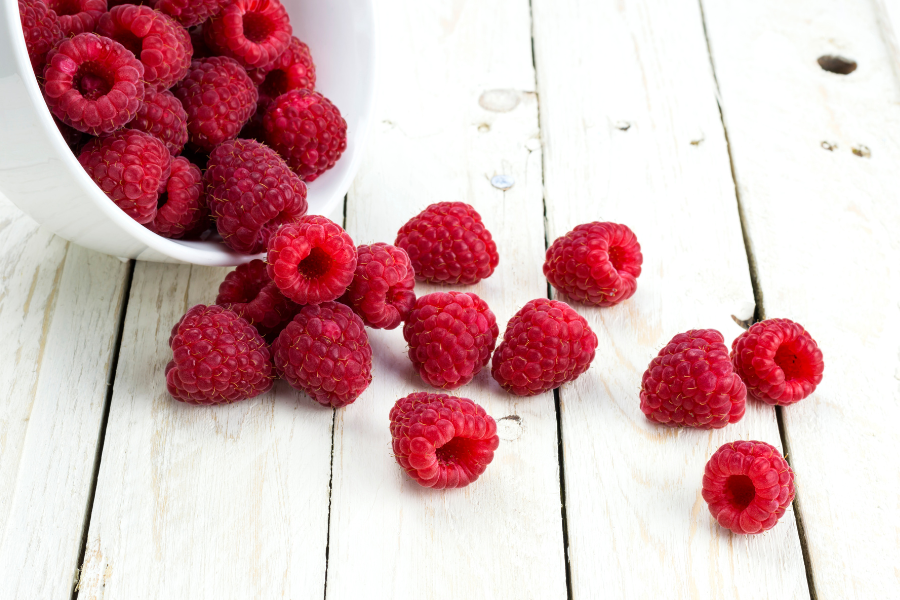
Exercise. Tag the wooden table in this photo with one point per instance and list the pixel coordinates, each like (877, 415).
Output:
(757, 183)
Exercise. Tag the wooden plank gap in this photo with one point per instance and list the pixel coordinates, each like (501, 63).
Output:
(330, 477)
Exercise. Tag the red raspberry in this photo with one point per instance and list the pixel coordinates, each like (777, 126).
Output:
(382, 289)
(748, 486)
(545, 345)
(312, 261)
(448, 243)
(253, 32)
(42, 31)
(324, 351)
(219, 358)
(218, 97)
(251, 192)
(250, 293)
(451, 336)
(307, 130)
(779, 362)
(442, 441)
(131, 167)
(162, 116)
(595, 263)
(181, 207)
(190, 12)
(77, 16)
(93, 83)
(691, 383)
(292, 70)
(157, 40)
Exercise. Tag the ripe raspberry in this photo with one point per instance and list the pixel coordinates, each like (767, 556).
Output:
(218, 98)
(448, 243)
(595, 263)
(77, 16)
(779, 362)
(442, 441)
(748, 486)
(451, 336)
(292, 70)
(250, 293)
(162, 116)
(253, 32)
(190, 12)
(42, 31)
(312, 261)
(93, 83)
(691, 383)
(131, 167)
(157, 40)
(181, 207)
(251, 192)
(324, 351)
(307, 130)
(382, 289)
(545, 345)
(219, 358)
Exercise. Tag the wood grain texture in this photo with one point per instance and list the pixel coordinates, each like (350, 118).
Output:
(823, 229)
(632, 134)
(59, 307)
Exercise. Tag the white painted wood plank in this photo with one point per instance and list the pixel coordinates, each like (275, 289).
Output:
(501, 537)
(59, 308)
(632, 135)
(823, 228)
(200, 502)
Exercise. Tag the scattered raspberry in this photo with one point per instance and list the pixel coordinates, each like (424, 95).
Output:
(219, 358)
(595, 263)
(545, 345)
(691, 383)
(307, 130)
(131, 167)
(42, 31)
(312, 261)
(448, 243)
(93, 83)
(77, 16)
(181, 207)
(253, 32)
(292, 70)
(218, 98)
(325, 352)
(191, 12)
(382, 289)
(748, 486)
(157, 40)
(251, 192)
(250, 293)
(778, 361)
(162, 116)
(451, 336)
(442, 441)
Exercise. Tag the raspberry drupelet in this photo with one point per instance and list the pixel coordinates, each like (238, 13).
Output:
(691, 383)
(77, 16)
(381, 292)
(181, 207)
(162, 116)
(42, 32)
(748, 486)
(253, 32)
(442, 441)
(190, 12)
(779, 362)
(250, 293)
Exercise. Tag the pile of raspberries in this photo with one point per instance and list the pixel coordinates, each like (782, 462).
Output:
(193, 116)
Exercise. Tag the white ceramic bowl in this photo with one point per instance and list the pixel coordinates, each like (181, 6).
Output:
(41, 176)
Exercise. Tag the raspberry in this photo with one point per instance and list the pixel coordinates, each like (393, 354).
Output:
(250, 293)
(451, 336)
(595, 263)
(292, 70)
(131, 167)
(748, 486)
(253, 32)
(324, 351)
(382, 289)
(157, 40)
(42, 31)
(442, 441)
(191, 12)
(181, 207)
(219, 358)
(307, 130)
(545, 345)
(77, 16)
(162, 116)
(251, 192)
(312, 261)
(218, 98)
(691, 383)
(448, 243)
(93, 83)
(779, 362)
